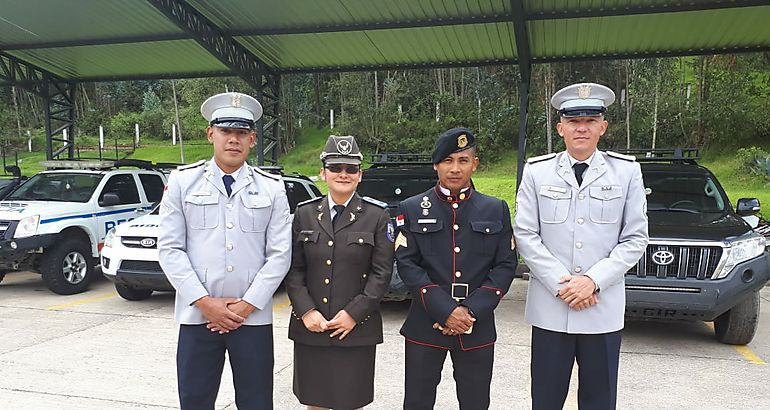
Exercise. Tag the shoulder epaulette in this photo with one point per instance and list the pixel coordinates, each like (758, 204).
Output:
(621, 156)
(191, 166)
(541, 158)
(309, 201)
(374, 201)
(267, 174)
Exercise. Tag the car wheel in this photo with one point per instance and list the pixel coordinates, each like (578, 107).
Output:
(129, 293)
(738, 325)
(67, 267)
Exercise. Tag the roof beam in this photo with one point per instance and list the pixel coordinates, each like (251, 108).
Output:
(522, 38)
(638, 10)
(25, 75)
(222, 46)
(418, 66)
(655, 54)
(99, 41)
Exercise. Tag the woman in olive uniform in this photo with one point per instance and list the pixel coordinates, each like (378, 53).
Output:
(341, 266)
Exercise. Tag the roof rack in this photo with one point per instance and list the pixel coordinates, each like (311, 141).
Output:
(101, 164)
(673, 155)
(393, 159)
(272, 169)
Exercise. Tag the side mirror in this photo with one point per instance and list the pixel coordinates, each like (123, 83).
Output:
(109, 199)
(747, 206)
(14, 170)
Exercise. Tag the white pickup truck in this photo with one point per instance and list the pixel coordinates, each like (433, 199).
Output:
(55, 222)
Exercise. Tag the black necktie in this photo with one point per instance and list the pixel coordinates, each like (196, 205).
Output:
(579, 168)
(338, 209)
(228, 180)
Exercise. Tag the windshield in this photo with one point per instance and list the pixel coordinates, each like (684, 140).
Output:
(61, 187)
(690, 193)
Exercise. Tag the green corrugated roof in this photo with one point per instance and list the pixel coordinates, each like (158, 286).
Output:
(125, 39)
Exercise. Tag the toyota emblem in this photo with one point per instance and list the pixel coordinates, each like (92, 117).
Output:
(663, 257)
(147, 242)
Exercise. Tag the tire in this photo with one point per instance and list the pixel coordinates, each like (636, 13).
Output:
(129, 293)
(2, 276)
(738, 325)
(67, 267)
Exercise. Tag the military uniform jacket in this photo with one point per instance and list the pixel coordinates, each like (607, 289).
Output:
(598, 229)
(347, 267)
(448, 240)
(212, 244)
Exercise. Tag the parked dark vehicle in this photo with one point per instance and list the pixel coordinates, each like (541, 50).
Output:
(9, 182)
(391, 178)
(704, 262)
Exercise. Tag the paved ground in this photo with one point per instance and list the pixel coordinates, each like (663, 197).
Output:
(98, 351)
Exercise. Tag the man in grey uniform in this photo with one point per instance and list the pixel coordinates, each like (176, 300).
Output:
(580, 224)
(225, 245)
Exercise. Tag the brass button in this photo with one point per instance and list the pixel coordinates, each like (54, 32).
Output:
(307, 239)
(229, 246)
(581, 196)
(455, 206)
(326, 281)
(606, 196)
(425, 229)
(329, 262)
(458, 274)
(578, 269)
(364, 276)
(580, 221)
(457, 249)
(579, 245)
(229, 268)
(229, 225)
(456, 227)
(325, 300)
(425, 291)
(497, 293)
(229, 206)
(360, 240)
(330, 243)
(486, 230)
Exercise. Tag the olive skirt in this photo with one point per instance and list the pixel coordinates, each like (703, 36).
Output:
(334, 377)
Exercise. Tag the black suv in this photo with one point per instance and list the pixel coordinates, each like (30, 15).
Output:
(391, 178)
(703, 262)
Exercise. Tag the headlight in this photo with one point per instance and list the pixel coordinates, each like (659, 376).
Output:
(109, 238)
(740, 251)
(27, 226)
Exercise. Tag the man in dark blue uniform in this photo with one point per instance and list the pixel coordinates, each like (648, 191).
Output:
(455, 253)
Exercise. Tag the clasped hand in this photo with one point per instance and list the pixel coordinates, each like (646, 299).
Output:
(579, 291)
(459, 321)
(342, 323)
(224, 314)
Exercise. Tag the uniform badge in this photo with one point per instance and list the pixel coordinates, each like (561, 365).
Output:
(647, 191)
(462, 141)
(400, 220)
(462, 196)
(425, 212)
(320, 216)
(236, 100)
(352, 217)
(425, 204)
(584, 91)
(400, 240)
(344, 147)
(391, 232)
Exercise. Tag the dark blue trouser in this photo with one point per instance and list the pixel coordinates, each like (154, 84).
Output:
(554, 353)
(200, 358)
(472, 374)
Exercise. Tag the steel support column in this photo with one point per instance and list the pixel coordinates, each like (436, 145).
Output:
(269, 126)
(525, 70)
(58, 97)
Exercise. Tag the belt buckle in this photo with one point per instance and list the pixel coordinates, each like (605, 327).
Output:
(459, 291)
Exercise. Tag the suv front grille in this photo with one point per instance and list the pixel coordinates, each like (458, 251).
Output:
(4, 225)
(687, 261)
(136, 242)
(141, 266)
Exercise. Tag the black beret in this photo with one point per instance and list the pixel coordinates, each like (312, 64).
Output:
(451, 141)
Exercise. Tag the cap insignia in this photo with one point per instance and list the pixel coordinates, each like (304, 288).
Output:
(344, 147)
(236, 100)
(584, 91)
(462, 141)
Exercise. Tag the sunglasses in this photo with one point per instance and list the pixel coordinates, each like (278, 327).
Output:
(348, 169)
